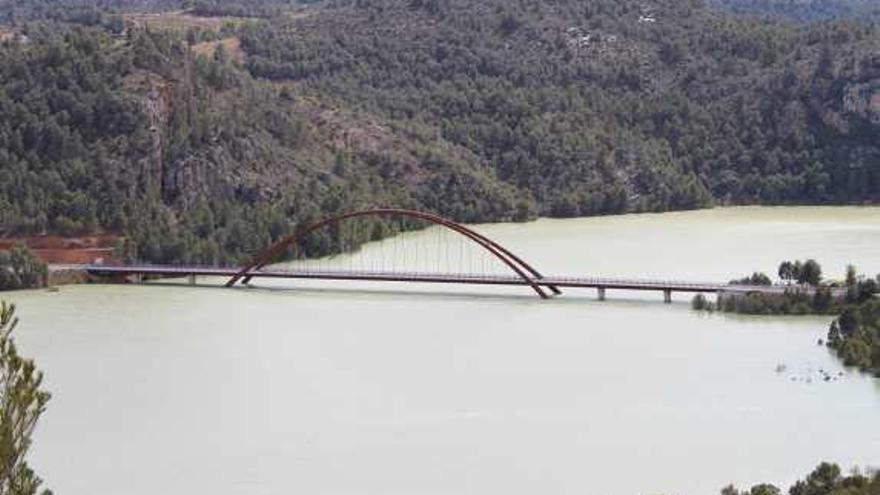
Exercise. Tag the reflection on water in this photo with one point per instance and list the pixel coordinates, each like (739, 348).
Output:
(320, 388)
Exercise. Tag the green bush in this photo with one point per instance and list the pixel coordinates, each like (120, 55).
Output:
(20, 269)
(855, 336)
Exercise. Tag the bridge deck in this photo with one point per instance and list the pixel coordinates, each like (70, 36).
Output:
(558, 281)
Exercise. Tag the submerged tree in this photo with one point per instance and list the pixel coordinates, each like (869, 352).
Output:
(22, 401)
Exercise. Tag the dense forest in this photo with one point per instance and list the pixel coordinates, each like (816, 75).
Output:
(202, 140)
(803, 10)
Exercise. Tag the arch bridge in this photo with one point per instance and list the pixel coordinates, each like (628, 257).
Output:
(509, 269)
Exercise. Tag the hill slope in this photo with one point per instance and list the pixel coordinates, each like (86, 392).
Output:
(804, 10)
(203, 143)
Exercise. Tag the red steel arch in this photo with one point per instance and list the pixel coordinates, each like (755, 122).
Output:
(520, 267)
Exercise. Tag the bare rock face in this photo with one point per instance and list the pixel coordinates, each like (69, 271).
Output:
(863, 99)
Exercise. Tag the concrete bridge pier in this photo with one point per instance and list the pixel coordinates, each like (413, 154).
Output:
(191, 278)
(667, 296)
(601, 293)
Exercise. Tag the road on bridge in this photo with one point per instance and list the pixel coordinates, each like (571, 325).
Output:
(601, 284)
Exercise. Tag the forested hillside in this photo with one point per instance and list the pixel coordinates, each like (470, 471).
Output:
(202, 135)
(804, 10)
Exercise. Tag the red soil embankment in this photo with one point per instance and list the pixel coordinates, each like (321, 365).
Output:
(57, 250)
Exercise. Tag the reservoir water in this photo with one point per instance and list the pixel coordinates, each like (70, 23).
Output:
(384, 389)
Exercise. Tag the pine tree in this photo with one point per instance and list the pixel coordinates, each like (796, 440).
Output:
(22, 401)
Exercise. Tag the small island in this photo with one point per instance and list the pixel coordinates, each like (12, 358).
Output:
(854, 335)
(803, 291)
